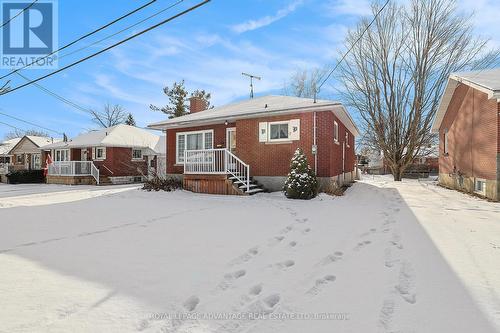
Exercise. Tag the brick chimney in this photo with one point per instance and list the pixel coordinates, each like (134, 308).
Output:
(197, 104)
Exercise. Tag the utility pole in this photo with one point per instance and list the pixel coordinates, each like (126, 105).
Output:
(251, 82)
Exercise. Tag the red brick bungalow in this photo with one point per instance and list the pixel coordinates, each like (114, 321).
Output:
(117, 155)
(247, 146)
(468, 123)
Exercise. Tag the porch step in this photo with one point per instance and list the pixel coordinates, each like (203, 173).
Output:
(255, 191)
(241, 186)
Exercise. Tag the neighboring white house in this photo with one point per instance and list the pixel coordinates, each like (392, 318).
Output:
(6, 157)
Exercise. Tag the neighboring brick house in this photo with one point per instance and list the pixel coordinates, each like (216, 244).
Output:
(468, 123)
(241, 147)
(118, 154)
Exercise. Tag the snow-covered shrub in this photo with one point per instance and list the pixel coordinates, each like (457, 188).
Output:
(301, 182)
(157, 183)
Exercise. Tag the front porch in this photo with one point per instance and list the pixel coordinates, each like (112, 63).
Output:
(217, 171)
(73, 173)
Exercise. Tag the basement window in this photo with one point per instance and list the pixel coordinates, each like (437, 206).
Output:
(480, 186)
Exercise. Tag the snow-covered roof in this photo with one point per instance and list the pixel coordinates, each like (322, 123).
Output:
(6, 146)
(161, 145)
(258, 107)
(41, 141)
(116, 136)
(487, 81)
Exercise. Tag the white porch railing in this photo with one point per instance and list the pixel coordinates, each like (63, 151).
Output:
(216, 161)
(74, 168)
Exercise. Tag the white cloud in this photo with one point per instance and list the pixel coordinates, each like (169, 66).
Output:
(267, 20)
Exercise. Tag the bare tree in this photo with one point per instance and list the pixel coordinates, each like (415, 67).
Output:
(111, 115)
(303, 83)
(397, 70)
(19, 133)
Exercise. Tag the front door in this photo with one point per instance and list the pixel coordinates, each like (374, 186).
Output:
(231, 139)
(84, 155)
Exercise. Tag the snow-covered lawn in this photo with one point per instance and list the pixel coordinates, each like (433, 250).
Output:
(386, 257)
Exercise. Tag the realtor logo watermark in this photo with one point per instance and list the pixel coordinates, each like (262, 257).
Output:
(30, 34)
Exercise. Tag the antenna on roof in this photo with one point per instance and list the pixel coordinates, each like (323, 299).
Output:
(251, 82)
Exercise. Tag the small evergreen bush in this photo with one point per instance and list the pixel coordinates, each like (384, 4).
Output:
(26, 177)
(302, 182)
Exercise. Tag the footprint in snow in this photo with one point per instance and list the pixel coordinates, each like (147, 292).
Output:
(306, 231)
(275, 240)
(336, 256)
(389, 259)
(247, 256)
(286, 230)
(396, 240)
(320, 284)
(406, 285)
(361, 245)
(255, 290)
(292, 244)
(285, 264)
(229, 279)
(191, 303)
(386, 314)
(304, 220)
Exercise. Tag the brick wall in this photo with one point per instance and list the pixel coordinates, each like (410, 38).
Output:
(273, 159)
(472, 123)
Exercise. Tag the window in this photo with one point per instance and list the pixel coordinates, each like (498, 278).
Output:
(100, 153)
(61, 155)
(445, 140)
(335, 131)
(19, 159)
(347, 139)
(137, 154)
(479, 186)
(278, 131)
(200, 140)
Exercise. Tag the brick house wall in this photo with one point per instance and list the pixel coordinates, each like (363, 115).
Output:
(472, 124)
(273, 159)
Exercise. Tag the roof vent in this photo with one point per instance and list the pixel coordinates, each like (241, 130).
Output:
(265, 107)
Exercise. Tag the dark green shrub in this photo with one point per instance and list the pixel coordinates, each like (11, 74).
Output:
(26, 177)
(302, 182)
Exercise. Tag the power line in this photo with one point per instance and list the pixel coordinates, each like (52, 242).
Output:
(12, 126)
(110, 47)
(82, 37)
(59, 97)
(122, 30)
(29, 123)
(22, 11)
(352, 46)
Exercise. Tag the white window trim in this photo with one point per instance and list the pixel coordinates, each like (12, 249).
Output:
(483, 192)
(185, 141)
(335, 132)
(100, 158)
(137, 158)
(278, 123)
(61, 154)
(347, 139)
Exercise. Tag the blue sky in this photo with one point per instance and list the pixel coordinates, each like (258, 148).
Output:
(208, 48)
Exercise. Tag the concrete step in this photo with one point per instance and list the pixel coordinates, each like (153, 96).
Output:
(254, 191)
(244, 186)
